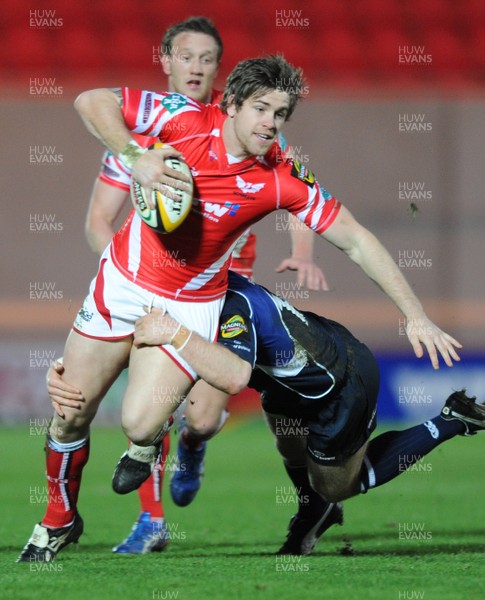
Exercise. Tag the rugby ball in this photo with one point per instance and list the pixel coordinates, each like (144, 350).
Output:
(168, 214)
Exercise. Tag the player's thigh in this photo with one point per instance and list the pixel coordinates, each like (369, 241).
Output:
(91, 365)
(337, 481)
(290, 437)
(156, 386)
(205, 405)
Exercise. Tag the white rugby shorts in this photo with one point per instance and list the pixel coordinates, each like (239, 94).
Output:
(114, 304)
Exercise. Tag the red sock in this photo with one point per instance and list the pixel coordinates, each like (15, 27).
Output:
(63, 471)
(150, 491)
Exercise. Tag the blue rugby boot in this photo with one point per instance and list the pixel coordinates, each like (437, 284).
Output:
(146, 536)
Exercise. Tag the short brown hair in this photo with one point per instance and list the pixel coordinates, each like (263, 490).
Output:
(258, 76)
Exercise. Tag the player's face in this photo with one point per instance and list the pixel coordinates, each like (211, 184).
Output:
(192, 66)
(251, 129)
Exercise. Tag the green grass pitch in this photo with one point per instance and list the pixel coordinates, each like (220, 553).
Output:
(421, 536)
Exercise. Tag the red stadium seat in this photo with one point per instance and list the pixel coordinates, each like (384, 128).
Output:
(341, 54)
(341, 49)
(296, 48)
(448, 52)
(343, 39)
(375, 14)
(17, 13)
(25, 53)
(333, 14)
(131, 49)
(237, 48)
(109, 14)
(473, 11)
(477, 55)
(81, 50)
(430, 13)
(385, 48)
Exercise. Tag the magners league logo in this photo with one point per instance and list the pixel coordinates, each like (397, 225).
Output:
(233, 327)
(303, 173)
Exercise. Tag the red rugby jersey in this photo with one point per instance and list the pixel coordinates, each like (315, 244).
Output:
(191, 263)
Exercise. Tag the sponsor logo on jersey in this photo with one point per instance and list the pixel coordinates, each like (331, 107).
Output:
(173, 102)
(433, 430)
(303, 173)
(233, 327)
(248, 188)
(213, 210)
(147, 109)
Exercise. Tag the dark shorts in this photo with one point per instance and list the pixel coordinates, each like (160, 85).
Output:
(338, 426)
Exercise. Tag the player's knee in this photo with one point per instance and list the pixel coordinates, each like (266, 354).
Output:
(69, 428)
(329, 484)
(329, 492)
(139, 432)
(203, 427)
(140, 436)
(333, 491)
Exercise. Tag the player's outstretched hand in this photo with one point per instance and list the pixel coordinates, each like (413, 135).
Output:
(153, 173)
(423, 332)
(60, 392)
(155, 328)
(308, 273)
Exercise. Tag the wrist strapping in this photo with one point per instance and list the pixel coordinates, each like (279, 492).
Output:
(180, 348)
(181, 337)
(131, 153)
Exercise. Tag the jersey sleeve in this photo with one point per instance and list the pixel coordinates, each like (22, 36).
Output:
(114, 173)
(304, 197)
(149, 113)
(236, 331)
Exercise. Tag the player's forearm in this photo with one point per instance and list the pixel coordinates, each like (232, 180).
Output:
(368, 252)
(105, 205)
(216, 365)
(98, 234)
(301, 240)
(101, 113)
